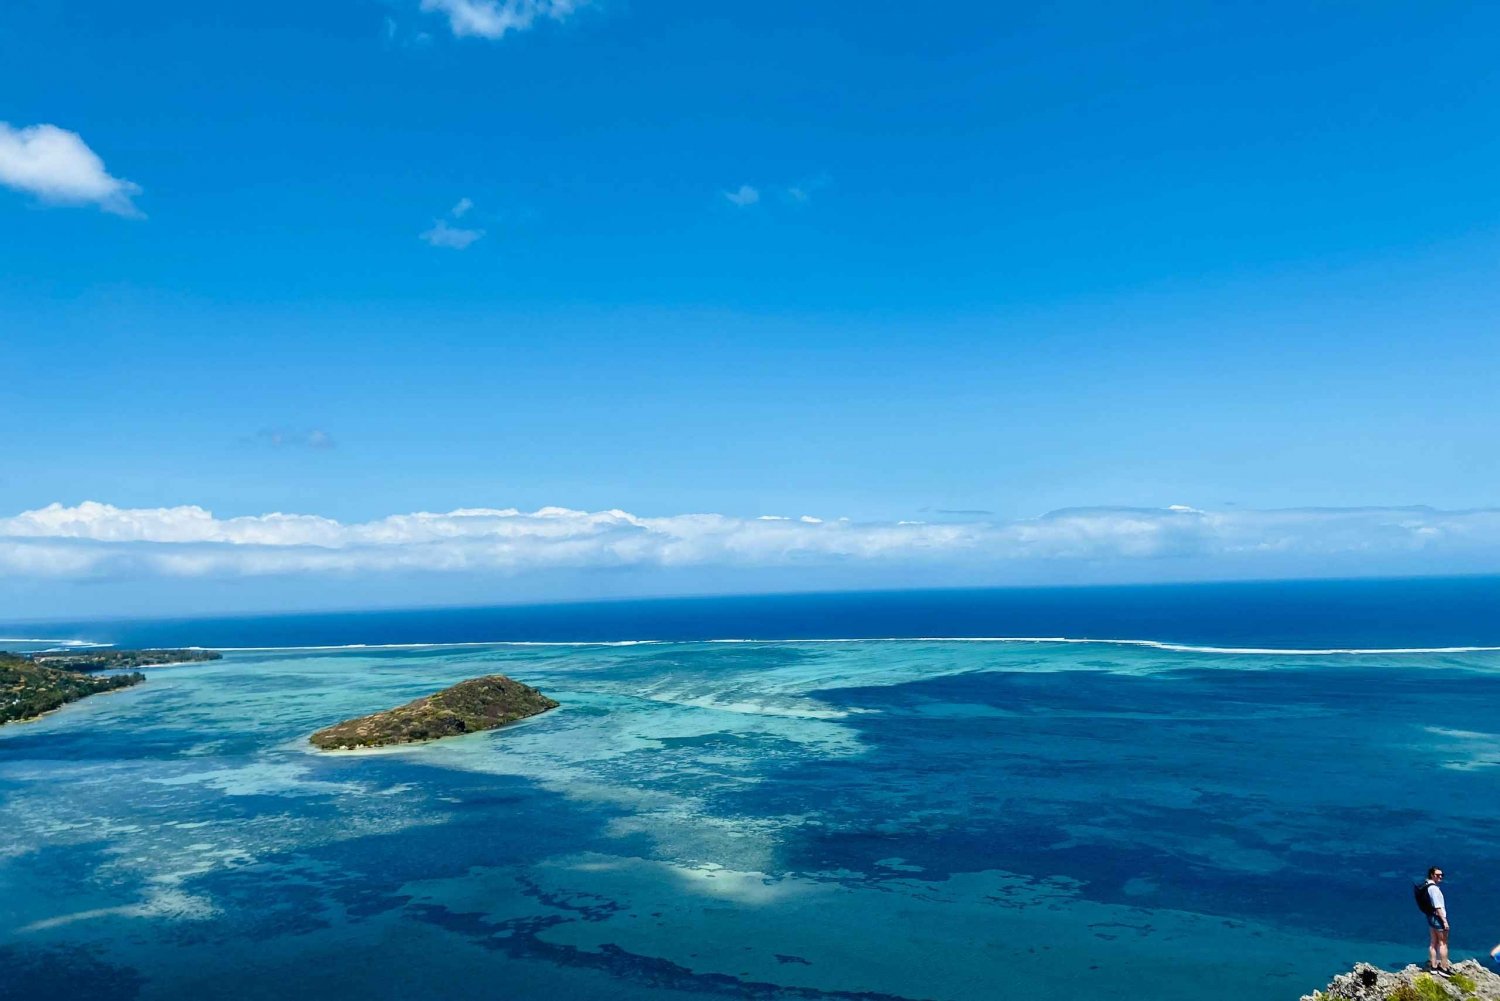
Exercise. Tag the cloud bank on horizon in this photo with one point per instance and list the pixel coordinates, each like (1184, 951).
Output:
(100, 540)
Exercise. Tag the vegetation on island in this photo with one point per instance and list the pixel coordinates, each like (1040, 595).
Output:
(119, 660)
(28, 689)
(467, 707)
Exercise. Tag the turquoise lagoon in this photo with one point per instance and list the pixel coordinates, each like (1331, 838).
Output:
(863, 819)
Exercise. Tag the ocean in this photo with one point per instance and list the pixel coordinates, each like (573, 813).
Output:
(1174, 792)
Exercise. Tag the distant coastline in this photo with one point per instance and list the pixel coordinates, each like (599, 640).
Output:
(94, 659)
(22, 721)
(34, 685)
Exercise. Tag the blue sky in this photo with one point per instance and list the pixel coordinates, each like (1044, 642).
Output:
(964, 265)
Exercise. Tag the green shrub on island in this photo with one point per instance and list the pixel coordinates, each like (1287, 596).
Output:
(1423, 988)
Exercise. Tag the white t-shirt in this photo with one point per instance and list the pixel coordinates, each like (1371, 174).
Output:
(1435, 895)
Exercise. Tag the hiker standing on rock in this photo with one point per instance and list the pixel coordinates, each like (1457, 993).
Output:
(1430, 893)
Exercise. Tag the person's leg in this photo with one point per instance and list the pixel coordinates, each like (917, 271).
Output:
(1442, 944)
(1432, 947)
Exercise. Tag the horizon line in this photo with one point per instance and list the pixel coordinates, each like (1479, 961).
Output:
(379, 609)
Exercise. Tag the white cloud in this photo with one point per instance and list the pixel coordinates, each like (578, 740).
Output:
(744, 196)
(800, 193)
(315, 438)
(92, 539)
(57, 166)
(496, 18)
(453, 237)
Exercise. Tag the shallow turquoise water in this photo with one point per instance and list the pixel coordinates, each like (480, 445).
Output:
(900, 819)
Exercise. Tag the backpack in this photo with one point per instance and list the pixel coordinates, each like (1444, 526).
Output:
(1423, 898)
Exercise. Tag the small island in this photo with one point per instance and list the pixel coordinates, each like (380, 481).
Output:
(27, 689)
(467, 707)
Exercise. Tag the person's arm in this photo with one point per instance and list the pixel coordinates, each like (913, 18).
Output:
(1442, 913)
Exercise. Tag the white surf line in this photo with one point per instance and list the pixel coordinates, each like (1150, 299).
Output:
(444, 645)
(1193, 648)
(1151, 644)
(1074, 640)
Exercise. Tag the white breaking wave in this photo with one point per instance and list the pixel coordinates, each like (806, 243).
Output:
(435, 646)
(1162, 645)
(69, 644)
(1194, 648)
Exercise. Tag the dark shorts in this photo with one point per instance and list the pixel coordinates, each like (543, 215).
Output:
(1433, 921)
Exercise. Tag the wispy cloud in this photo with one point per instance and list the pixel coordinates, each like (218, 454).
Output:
(444, 234)
(453, 237)
(315, 438)
(802, 192)
(799, 193)
(57, 166)
(744, 196)
(497, 18)
(93, 538)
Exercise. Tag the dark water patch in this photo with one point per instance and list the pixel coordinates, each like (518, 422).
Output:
(58, 870)
(521, 938)
(95, 742)
(720, 739)
(486, 802)
(467, 821)
(591, 907)
(31, 973)
(261, 909)
(1299, 798)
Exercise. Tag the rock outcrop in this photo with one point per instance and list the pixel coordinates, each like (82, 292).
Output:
(467, 707)
(1470, 981)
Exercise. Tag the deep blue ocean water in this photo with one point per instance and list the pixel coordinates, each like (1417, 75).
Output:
(1424, 612)
(778, 818)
